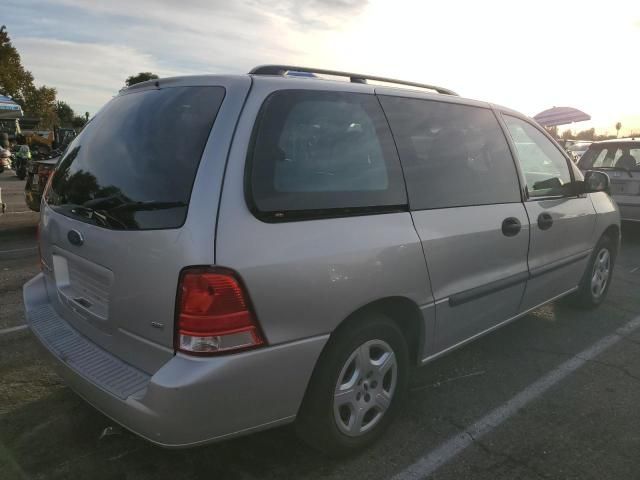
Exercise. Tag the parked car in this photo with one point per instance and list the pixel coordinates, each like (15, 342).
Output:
(295, 245)
(20, 159)
(620, 158)
(38, 171)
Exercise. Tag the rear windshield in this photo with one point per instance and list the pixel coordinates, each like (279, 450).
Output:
(133, 165)
(613, 156)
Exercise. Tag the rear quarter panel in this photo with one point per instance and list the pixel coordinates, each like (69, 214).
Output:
(305, 277)
(607, 212)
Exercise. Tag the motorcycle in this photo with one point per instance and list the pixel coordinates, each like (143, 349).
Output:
(20, 161)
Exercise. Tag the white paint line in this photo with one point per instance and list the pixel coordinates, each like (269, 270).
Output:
(13, 329)
(434, 459)
(634, 269)
(21, 211)
(19, 249)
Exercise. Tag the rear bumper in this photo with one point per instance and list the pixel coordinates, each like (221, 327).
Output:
(188, 401)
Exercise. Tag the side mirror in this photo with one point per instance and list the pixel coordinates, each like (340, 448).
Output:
(596, 181)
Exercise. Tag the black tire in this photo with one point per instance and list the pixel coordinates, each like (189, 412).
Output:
(316, 423)
(584, 297)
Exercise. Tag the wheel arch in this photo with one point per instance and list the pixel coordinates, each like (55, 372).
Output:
(613, 231)
(404, 312)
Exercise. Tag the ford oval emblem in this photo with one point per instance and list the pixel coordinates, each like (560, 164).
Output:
(75, 238)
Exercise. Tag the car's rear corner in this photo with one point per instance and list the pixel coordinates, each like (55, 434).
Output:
(119, 241)
(188, 401)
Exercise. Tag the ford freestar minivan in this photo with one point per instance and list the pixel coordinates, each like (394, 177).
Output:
(224, 254)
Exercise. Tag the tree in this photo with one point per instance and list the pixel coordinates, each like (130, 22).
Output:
(618, 127)
(15, 81)
(41, 102)
(65, 113)
(553, 131)
(141, 77)
(586, 134)
(78, 121)
(566, 135)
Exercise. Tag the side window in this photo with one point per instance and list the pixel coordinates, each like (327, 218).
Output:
(453, 155)
(323, 150)
(626, 157)
(604, 158)
(545, 169)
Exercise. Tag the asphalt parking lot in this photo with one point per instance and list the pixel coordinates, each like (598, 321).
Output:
(553, 395)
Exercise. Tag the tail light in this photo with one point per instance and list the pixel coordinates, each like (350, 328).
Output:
(45, 178)
(214, 313)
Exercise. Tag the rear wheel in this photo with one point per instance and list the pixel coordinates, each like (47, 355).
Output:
(595, 282)
(356, 388)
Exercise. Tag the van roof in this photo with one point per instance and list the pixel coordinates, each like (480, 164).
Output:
(302, 75)
(283, 70)
(289, 71)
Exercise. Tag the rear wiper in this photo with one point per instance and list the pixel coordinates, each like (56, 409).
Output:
(98, 216)
(140, 206)
(118, 202)
(621, 169)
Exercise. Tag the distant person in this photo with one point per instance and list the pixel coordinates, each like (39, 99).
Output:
(626, 160)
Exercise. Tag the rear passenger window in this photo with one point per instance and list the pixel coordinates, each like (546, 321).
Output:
(453, 155)
(318, 151)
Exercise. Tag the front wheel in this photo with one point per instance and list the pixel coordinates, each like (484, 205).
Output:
(596, 280)
(355, 391)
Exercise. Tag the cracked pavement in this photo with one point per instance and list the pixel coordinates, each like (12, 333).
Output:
(584, 427)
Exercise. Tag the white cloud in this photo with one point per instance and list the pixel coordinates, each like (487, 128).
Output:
(170, 38)
(529, 56)
(85, 75)
(526, 55)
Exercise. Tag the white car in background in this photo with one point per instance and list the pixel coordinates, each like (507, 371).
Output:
(577, 149)
(620, 158)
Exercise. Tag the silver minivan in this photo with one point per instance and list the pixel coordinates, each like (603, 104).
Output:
(226, 254)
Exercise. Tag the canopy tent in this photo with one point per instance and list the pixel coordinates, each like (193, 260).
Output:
(9, 109)
(560, 116)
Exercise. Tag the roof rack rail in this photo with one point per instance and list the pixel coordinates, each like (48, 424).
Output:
(353, 77)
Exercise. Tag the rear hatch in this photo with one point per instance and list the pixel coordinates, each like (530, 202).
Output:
(621, 161)
(114, 234)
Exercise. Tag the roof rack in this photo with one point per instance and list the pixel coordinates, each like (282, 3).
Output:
(353, 77)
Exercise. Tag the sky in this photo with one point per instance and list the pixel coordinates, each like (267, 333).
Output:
(528, 55)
